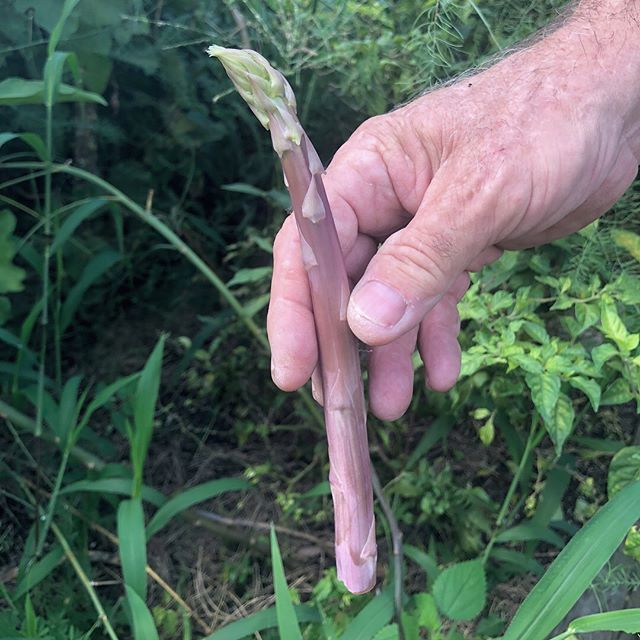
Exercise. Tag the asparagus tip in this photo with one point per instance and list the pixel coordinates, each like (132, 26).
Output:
(265, 90)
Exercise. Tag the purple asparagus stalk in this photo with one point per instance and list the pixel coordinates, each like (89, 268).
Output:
(271, 99)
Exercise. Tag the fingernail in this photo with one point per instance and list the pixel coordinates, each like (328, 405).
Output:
(379, 304)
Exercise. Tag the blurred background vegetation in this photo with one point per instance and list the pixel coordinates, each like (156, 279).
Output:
(138, 202)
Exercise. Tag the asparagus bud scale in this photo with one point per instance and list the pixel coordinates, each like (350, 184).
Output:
(271, 99)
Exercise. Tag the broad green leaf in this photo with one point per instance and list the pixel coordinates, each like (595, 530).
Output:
(627, 620)
(375, 616)
(536, 332)
(96, 268)
(285, 613)
(562, 425)
(265, 619)
(587, 315)
(32, 139)
(133, 545)
(618, 392)
(18, 91)
(186, 499)
(530, 531)
(624, 469)
(614, 328)
(74, 220)
(575, 567)
(144, 627)
(589, 387)
(53, 70)
(527, 363)
(545, 391)
(627, 240)
(115, 486)
(38, 571)
(602, 353)
(461, 590)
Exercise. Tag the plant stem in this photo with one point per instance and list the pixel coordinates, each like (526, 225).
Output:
(396, 548)
(52, 502)
(85, 581)
(533, 440)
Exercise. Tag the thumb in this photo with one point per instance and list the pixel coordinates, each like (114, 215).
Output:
(411, 271)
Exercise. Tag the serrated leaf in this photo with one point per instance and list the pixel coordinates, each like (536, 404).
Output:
(589, 387)
(545, 391)
(461, 590)
(624, 469)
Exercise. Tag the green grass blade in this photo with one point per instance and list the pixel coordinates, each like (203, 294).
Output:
(188, 498)
(423, 560)
(75, 219)
(143, 626)
(133, 545)
(265, 619)
(576, 566)
(287, 621)
(375, 616)
(69, 408)
(96, 267)
(38, 571)
(115, 486)
(627, 621)
(56, 32)
(144, 407)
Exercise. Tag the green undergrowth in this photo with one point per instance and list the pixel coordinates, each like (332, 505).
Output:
(153, 482)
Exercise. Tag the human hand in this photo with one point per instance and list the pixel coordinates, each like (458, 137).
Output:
(530, 150)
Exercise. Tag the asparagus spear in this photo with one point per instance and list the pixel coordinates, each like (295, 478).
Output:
(271, 99)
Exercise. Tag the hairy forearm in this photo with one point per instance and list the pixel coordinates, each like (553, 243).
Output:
(601, 42)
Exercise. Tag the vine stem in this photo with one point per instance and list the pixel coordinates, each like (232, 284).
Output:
(534, 438)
